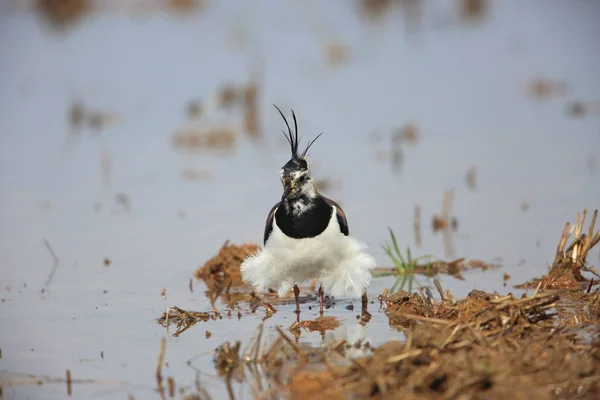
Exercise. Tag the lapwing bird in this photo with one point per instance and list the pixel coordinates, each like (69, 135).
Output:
(307, 237)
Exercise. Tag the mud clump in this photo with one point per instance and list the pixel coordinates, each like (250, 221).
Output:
(222, 273)
(487, 312)
(456, 360)
(315, 385)
(223, 270)
(484, 346)
(570, 261)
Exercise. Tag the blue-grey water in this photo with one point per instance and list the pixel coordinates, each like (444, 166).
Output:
(466, 87)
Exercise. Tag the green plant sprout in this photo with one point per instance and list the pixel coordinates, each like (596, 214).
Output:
(405, 265)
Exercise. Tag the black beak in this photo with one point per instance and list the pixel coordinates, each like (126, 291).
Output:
(288, 186)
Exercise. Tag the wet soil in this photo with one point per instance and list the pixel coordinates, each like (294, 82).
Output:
(487, 345)
(484, 346)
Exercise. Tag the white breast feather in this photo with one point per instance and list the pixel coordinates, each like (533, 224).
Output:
(336, 260)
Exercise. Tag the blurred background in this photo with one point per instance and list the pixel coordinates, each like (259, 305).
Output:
(137, 136)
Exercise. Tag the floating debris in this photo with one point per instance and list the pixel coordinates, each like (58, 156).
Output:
(446, 223)
(397, 155)
(412, 11)
(336, 53)
(14, 379)
(251, 110)
(394, 152)
(576, 109)
(408, 134)
(182, 319)
(542, 88)
(453, 268)
(99, 120)
(581, 109)
(439, 223)
(445, 220)
(228, 96)
(123, 200)
(194, 109)
(79, 115)
(196, 174)
(471, 177)
(218, 138)
(76, 117)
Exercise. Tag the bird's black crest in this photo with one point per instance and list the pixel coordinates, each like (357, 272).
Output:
(292, 137)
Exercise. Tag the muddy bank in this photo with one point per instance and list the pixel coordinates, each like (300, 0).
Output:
(488, 345)
(484, 346)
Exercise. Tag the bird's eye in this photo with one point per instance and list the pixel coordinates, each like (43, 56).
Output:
(302, 178)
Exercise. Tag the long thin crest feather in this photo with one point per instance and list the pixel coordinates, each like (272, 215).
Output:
(296, 132)
(310, 144)
(292, 136)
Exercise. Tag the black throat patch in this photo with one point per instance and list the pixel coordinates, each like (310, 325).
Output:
(310, 223)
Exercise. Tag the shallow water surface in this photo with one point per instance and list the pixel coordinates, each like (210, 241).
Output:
(122, 193)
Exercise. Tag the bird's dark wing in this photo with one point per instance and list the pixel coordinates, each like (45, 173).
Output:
(269, 224)
(341, 216)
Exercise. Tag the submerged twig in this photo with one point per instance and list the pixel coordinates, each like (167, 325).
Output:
(438, 287)
(56, 261)
(290, 342)
(417, 225)
(69, 382)
(161, 360)
(258, 340)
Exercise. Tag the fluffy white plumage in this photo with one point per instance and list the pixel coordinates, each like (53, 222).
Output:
(336, 260)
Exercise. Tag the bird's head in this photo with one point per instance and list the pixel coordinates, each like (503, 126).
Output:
(295, 174)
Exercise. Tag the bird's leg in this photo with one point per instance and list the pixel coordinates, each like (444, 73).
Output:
(365, 301)
(320, 292)
(297, 296)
